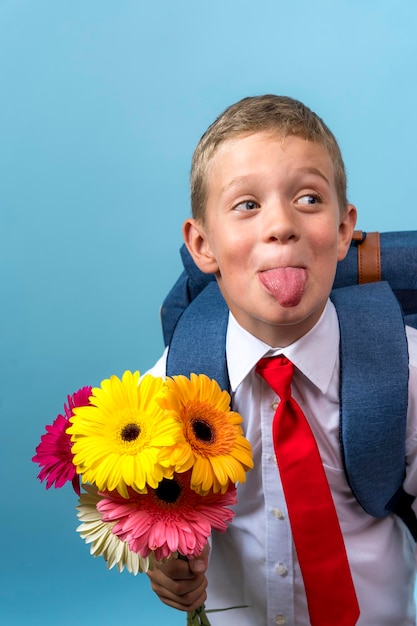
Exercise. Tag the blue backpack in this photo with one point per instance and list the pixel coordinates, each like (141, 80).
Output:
(374, 292)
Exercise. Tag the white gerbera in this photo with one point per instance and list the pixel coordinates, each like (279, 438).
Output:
(99, 534)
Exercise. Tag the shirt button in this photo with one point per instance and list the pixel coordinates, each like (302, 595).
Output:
(281, 569)
(278, 513)
(274, 405)
(280, 619)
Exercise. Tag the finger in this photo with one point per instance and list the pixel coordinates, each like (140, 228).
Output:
(199, 564)
(183, 594)
(176, 569)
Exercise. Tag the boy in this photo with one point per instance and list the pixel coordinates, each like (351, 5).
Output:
(271, 220)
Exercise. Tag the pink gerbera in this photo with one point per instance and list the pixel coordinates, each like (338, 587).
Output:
(54, 453)
(171, 518)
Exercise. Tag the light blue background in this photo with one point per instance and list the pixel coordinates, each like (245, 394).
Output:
(102, 103)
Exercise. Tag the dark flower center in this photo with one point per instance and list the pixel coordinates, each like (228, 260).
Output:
(130, 432)
(203, 431)
(168, 490)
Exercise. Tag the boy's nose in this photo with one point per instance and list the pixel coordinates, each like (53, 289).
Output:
(280, 223)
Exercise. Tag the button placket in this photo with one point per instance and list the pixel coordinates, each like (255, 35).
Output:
(278, 554)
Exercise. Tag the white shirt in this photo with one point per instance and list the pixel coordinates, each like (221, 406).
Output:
(254, 562)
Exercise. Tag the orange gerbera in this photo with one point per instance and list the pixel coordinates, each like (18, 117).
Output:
(215, 446)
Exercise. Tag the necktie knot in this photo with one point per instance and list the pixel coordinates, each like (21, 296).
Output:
(278, 373)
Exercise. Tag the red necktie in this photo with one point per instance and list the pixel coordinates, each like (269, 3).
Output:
(315, 527)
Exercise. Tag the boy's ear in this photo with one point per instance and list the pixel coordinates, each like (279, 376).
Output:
(346, 228)
(195, 238)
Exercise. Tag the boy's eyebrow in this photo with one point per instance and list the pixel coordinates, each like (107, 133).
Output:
(234, 182)
(302, 170)
(315, 171)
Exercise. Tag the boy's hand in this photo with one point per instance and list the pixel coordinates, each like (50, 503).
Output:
(181, 584)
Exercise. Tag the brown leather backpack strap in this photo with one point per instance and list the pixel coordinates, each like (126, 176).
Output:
(369, 257)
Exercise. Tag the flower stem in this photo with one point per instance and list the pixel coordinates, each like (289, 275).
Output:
(198, 617)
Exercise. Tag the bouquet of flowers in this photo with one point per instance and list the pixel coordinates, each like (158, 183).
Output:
(158, 460)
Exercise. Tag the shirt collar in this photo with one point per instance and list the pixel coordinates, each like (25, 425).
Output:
(315, 354)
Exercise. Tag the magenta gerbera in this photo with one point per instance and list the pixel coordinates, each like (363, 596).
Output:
(54, 453)
(171, 518)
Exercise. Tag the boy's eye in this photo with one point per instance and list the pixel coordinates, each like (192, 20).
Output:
(308, 199)
(247, 205)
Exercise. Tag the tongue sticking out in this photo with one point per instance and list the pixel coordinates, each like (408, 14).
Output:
(286, 284)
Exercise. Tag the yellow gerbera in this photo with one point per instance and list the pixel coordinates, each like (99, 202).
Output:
(214, 446)
(120, 440)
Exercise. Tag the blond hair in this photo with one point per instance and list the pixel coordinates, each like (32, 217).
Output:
(280, 114)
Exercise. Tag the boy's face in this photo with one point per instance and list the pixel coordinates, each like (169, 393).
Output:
(273, 233)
